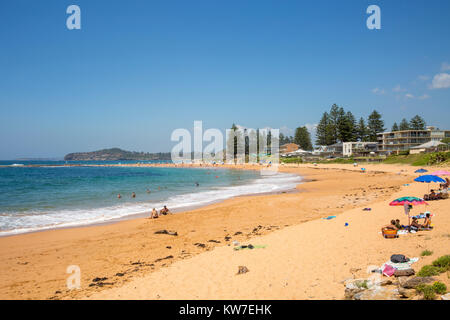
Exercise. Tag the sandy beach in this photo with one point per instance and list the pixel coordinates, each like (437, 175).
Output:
(302, 256)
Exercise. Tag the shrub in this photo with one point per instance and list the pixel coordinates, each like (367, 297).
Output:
(426, 253)
(362, 284)
(428, 271)
(439, 287)
(443, 263)
(428, 293)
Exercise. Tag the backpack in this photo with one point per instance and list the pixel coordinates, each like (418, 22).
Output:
(399, 258)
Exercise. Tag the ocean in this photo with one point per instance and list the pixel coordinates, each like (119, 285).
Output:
(53, 196)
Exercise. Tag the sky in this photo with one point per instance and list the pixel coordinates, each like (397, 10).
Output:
(137, 70)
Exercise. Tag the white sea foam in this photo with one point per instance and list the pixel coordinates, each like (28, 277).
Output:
(37, 221)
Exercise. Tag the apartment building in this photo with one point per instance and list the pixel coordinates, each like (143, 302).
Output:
(396, 141)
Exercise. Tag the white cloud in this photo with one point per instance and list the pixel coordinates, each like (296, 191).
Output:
(287, 131)
(424, 96)
(445, 66)
(398, 88)
(378, 91)
(424, 77)
(441, 81)
(409, 96)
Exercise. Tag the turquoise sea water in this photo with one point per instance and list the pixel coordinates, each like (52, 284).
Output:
(49, 196)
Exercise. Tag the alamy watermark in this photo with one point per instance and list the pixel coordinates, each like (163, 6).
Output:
(237, 146)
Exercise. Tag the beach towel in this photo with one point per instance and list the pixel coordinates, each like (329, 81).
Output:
(329, 217)
(398, 266)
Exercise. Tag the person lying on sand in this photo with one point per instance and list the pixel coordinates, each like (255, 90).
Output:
(154, 214)
(432, 196)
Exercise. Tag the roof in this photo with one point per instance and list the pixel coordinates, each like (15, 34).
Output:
(430, 144)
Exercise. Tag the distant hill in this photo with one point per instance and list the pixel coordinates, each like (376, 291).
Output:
(115, 154)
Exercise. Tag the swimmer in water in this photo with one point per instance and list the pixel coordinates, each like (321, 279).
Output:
(197, 184)
(119, 196)
(148, 191)
(133, 195)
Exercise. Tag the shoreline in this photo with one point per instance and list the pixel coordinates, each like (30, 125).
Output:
(131, 247)
(139, 215)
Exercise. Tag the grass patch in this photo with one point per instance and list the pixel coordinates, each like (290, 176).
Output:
(426, 253)
(362, 284)
(429, 271)
(439, 287)
(443, 263)
(421, 159)
(429, 291)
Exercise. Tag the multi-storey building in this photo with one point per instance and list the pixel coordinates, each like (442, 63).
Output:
(396, 141)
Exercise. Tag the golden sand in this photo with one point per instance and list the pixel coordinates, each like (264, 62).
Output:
(305, 256)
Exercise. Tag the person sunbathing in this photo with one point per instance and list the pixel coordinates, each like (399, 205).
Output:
(391, 226)
(164, 211)
(427, 222)
(446, 184)
(154, 214)
(398, 225)
(414, 225)
(432, 196)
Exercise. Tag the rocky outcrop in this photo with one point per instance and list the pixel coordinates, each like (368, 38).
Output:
(115, 154)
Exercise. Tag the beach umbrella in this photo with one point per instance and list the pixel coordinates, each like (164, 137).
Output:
(441, 173)
(421, 171)
(406, 202)
(429, 178)
(409, 200)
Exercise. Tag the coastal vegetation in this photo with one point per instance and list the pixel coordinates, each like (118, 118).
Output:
(337, 125)
(115, 154)
(421, 159)
(416, 123)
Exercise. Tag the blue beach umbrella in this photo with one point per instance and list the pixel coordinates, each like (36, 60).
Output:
(429, 178)
(421, 171)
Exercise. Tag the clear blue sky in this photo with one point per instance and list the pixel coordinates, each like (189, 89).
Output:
(139, 69)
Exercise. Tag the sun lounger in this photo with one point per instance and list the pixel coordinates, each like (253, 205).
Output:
(389, 234)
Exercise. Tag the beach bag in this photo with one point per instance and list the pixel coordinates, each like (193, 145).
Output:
(399, 258)
(390, 234)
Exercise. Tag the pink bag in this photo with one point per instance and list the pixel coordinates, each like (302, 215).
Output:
(388, 270)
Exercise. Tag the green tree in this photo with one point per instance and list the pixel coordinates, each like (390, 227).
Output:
(375, 125)
(417, 123)
(324, 131)
(303, 138)
(361, 130)
(335, 115)
(404, 125)
(346, 126)
(394, 127)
